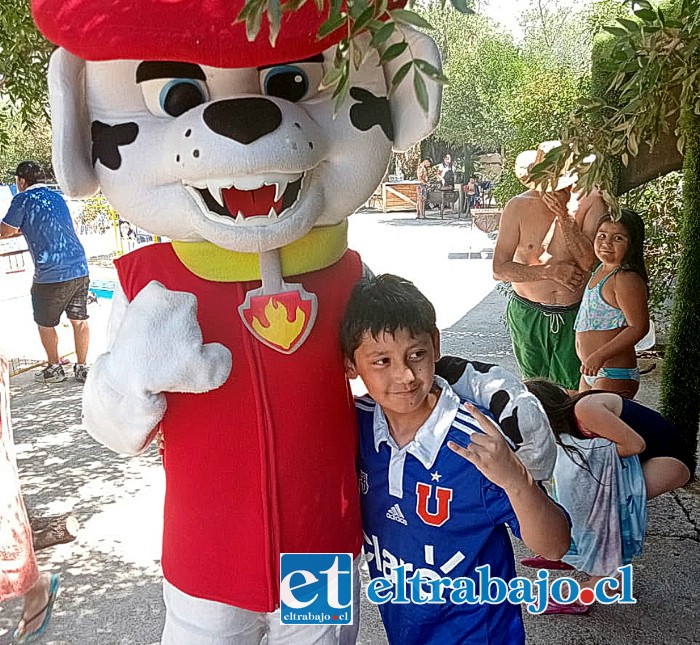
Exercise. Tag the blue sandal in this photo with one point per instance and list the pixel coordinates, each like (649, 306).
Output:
(26, 638)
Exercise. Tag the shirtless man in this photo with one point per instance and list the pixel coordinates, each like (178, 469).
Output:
(544, 248)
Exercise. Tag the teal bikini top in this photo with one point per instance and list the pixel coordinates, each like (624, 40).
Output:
(595, 314)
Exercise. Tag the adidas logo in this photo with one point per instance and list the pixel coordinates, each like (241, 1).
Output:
(394, 513)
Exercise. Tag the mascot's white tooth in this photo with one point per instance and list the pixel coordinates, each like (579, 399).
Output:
(280, 187)
(240, 217)
(215, 189)
(273, 213)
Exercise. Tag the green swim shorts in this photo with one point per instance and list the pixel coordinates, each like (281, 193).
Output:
(544, 341)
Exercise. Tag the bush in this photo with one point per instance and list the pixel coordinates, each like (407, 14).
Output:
(660, 203)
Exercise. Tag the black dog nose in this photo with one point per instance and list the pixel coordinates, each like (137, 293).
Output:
(243, 120)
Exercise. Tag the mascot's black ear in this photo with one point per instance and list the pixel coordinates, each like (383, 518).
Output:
(410, 123)
(72, 156)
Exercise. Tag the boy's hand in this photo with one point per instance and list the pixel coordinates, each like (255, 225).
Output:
(490, 453)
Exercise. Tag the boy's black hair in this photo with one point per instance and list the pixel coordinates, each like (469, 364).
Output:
(634, 225)
(384, 303)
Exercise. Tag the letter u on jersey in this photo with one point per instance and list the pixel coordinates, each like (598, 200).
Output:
(442, 513)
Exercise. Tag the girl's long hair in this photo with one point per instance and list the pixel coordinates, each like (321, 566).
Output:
(634, 257)
(559, 408)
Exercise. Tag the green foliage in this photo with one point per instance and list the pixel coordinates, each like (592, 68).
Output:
(97, 208)
(543, 91)
(681, 383)
(660, 203)
(355, 20)
(485, 69)
(20, 141)
(24, 60)
(654, 72)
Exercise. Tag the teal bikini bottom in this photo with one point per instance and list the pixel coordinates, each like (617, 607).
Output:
(614, 373)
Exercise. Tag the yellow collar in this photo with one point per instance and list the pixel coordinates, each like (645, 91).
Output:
(318, 249)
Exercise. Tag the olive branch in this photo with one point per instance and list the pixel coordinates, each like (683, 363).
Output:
(356, 18)
(655, 72)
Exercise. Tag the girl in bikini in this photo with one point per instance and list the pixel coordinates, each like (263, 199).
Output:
(614, 316)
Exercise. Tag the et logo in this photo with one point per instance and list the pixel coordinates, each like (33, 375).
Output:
(316, 588)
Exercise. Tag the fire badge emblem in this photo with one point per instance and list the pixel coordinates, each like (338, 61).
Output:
(281, 320)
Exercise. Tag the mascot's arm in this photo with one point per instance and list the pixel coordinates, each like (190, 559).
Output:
(155, 346)
(519, 413)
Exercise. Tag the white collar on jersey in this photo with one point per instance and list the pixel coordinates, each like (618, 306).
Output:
(431, 434)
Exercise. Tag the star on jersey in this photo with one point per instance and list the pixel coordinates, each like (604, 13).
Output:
(436, 476)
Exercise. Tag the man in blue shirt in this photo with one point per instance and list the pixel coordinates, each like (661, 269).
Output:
(438, 482)
(60, 267)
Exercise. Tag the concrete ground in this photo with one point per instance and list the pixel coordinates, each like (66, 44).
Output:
(111, 577)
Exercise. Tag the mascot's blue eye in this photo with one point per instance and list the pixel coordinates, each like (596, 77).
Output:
(288, 82)
(179, 95)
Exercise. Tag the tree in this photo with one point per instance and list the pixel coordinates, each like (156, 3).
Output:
(24, 60)
(20, 141)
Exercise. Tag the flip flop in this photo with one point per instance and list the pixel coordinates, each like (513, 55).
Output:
(31, 637)
(576, 608)
(538, 562)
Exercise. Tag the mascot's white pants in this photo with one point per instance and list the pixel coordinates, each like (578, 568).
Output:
(193, 621)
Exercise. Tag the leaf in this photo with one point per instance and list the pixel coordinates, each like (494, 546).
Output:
(625, 159)
(404, 17)
(357, 55)
(274, 17)
(431, 72)
(630, 25)
(616, 31)
(362, 20)
(382, 35)
(421, 91)
(399, 76)
(680, 144)
(646, 14)
(462, 6)
(344, 82)
(393, 51)
(252, 25)
(632, 144)
(331, 78)
(357, 8)
(333, 23)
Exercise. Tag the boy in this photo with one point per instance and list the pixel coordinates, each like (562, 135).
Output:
(438, 484)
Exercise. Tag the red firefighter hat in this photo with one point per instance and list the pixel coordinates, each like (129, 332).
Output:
(196, 31)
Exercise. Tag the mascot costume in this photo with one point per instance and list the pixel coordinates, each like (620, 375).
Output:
(226, 338)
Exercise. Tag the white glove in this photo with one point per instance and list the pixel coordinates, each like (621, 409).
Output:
(157, 347)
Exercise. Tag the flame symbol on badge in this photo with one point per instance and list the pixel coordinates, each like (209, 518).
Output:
(279, 330)
(281, 320)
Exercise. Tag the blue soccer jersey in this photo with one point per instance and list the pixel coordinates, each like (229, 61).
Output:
(428, 508)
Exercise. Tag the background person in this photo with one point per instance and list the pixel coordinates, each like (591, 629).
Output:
(587, 478)
(60, 267)
(19, 575)
(447, 173)
(614, 314)
(544, 249)
(422, 187)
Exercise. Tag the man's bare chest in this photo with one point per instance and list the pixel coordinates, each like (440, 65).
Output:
(542, 241)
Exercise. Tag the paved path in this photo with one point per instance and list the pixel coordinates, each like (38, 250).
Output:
(111, 574)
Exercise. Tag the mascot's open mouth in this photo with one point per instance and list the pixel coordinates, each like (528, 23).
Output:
(248, 200)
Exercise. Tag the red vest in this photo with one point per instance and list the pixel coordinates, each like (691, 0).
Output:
(266, 463)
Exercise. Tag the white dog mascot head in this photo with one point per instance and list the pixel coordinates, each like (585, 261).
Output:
(194, 133)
